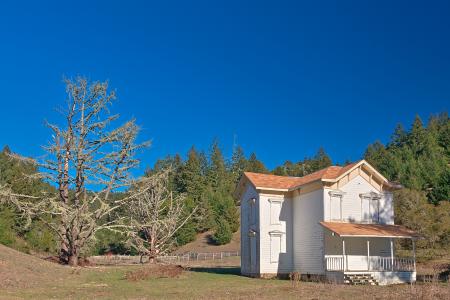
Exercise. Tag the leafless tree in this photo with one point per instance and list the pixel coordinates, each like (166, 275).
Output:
(156, 215)
(87, 159)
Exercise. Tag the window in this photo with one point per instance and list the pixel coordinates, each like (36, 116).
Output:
(252, 211)
(275, 211)
(370, 207)
(336, 205)
(275, 246)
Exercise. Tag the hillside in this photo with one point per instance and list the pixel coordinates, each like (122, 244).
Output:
(20, 270)
(203, 243)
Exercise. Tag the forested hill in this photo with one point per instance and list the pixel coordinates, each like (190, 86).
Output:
(417, 157)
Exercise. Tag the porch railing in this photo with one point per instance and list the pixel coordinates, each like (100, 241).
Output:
(376, 263)
(334, 263)
(396, 264)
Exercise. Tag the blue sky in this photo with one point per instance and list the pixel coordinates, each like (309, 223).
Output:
(283, 77)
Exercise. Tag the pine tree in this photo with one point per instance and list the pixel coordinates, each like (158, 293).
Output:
(254, 165)
(320, 160)
(238, 163)
(419, 159)
(217, 175)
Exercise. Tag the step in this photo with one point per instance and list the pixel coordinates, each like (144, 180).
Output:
(359, 279)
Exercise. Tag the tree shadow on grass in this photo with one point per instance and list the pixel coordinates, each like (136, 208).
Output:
(217, 270)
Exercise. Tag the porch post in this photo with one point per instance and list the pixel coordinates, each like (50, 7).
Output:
(392, 254)
(343, 254)
(414, 253)
(368, 255)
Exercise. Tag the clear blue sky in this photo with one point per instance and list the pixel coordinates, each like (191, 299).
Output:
(284, 77)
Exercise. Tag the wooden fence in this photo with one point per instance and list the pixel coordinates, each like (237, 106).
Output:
(186, 257)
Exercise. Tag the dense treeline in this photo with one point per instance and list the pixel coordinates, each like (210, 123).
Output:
(13, 233)
(209, 181)
(418, 158)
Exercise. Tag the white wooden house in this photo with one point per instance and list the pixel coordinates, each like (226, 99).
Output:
(336, 223)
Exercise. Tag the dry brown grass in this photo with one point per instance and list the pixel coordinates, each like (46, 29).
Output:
(35, 279)
(19, 270)
(154, 271)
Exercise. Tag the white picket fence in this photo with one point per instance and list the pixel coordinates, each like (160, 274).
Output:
(186, 257)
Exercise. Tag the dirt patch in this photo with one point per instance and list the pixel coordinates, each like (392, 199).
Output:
(155, 271)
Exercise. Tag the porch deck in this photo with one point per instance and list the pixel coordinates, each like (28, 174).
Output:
(367, 249)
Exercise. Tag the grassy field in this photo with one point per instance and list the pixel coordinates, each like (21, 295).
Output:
(26, 277)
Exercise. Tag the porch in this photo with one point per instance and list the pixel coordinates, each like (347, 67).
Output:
(359, 263)
(367, 251)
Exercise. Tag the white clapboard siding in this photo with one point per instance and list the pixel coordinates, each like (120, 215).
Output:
(308, 211)
(352, 211)
(275, 234)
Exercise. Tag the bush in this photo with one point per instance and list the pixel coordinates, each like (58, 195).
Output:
(186, 234)
(108, 242)
(41, 238)
(223, 233)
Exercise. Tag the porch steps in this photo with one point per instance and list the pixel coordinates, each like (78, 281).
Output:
(359, 279)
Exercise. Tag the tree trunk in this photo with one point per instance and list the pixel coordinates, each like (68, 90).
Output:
(152, 253)
(73, 260)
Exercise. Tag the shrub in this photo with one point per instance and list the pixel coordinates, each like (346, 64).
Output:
(41, 238)
(222, 234)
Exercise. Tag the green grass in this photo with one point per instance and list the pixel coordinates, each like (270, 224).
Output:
(207, 283)
(23, 276)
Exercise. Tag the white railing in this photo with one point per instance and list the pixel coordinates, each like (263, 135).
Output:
(334, 263)
(376, 263)
(396, 264)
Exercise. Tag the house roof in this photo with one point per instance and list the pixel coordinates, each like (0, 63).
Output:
(268, 181)
(287, 183)
(369, 230)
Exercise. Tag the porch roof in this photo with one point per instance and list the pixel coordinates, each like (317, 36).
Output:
(369, 230)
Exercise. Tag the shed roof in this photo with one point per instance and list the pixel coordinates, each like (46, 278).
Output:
(369, 230)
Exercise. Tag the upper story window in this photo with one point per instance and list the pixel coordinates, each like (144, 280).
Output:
(335, 213)
(275, 211)
(370, 207)
(252, 211)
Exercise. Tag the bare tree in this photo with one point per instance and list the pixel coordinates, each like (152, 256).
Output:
(87, 160)
(156, 215)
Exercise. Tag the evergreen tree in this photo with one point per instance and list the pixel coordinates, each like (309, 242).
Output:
(217, 175)
(254, 165)
(320, 160)
(222, 234)
(419, 159)
(238, 163)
